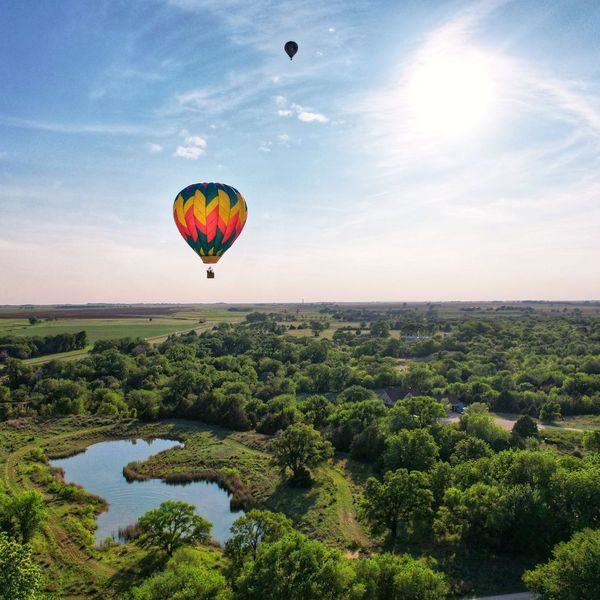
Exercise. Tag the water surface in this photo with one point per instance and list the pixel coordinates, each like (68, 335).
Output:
(100, 471)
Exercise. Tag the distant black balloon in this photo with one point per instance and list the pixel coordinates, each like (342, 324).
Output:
(290, 49)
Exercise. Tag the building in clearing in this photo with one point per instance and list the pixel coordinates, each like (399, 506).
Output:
(391, 395)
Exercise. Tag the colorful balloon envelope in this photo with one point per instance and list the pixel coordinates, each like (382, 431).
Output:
(210, 217)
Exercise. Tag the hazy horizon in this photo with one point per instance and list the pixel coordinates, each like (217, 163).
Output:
(308, 302)
(433, 151)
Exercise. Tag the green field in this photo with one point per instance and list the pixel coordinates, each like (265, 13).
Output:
(99, 329)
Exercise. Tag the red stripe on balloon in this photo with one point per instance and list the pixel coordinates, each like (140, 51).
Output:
(182, 230)
(231, 227)
(211, 225)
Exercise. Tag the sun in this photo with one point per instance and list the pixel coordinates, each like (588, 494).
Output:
(450, 93)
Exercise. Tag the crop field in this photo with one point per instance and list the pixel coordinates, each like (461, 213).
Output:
(100, 329)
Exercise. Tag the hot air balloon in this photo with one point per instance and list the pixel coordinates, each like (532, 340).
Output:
(290, 49)
(210, 217)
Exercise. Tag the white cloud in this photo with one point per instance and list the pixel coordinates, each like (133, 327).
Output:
(283, 138)
(195, 146)
(265, 147)
(195, 140)
(301, 112)
(154, 148)
(311, 117)
(331, 29)
(189, 152)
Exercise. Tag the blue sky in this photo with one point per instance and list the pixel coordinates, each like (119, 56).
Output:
(411, 151)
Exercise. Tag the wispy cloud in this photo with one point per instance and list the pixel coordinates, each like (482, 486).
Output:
(153, 148)
(81, 128)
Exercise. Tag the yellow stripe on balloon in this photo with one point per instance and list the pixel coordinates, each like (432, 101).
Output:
(212, 205)
(188, 203)
(224, 206)
(200, 207)
(243, 209)
(179, 211)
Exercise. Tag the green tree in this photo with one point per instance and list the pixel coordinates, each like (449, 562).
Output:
(380, 328)
(401, 504)
(414, 411)
(393, 577)
(20, 577)
(573, 573)
(476, 421)
(525, 427)
(22, 515)
(172, 525)
(295, 568)
(591, 440)
(299, 448)
(471, 448)
(550, 412)
(414, 450)
(146, 404)
(253, 529)
(186, 577)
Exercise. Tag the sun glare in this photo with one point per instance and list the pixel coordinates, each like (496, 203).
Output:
(450, 94)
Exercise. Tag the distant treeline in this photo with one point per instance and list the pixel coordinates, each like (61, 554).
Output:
(30, 347)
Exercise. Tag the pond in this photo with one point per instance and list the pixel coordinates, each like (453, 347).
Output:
(100, 471)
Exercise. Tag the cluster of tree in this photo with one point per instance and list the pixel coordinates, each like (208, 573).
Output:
(29, 347)
(267, 560)
(254, 376)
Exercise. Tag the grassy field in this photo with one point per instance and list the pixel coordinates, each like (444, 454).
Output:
(112, 323)
(99, 329)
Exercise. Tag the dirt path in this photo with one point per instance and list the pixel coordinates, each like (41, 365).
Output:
(346, 511)
(506, 421)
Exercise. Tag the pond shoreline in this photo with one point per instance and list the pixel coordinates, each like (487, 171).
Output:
(100, 478)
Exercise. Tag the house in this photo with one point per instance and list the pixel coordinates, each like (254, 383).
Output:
(391, 395)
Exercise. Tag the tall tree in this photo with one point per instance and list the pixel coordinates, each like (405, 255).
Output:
(411, 449)
(299, 448)
(172, 525)
(400, 504)
(253, 529)
(22, 515)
